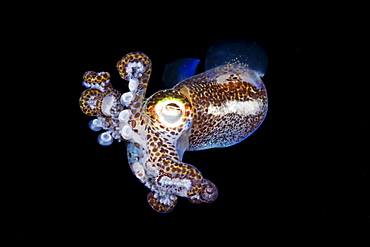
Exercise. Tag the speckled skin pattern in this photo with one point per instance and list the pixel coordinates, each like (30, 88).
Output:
(217, 97)
(217, 108)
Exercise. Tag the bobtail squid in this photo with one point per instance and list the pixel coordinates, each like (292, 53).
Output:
(217, 108)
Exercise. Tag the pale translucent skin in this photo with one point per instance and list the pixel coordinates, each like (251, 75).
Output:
(217, 108)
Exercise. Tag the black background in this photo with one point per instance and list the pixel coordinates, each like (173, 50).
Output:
(302, 173)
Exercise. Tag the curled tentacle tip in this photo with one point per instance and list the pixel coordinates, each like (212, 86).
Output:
(127, 132)
(134, 65)
(105, 139)
(99, 80)
(92, 76)
(89, 101)
(208, 193)
(161, 203)
(135, 69)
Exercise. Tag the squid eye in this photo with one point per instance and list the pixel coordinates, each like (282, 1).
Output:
(169, 107)
(171, 112)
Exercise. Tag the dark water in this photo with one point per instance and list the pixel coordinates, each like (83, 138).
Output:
(302, 172)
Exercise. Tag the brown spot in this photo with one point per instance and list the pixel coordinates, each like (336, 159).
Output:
(140, 86)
